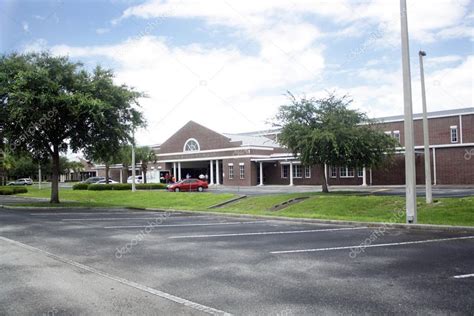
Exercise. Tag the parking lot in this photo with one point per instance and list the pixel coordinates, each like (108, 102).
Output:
(124, 262)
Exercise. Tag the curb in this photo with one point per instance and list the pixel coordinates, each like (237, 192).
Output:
(432, 227)
(240, 197)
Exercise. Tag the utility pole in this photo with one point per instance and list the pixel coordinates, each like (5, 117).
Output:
(133, 163)
(39, 176)
(410, 172)
(426, 138)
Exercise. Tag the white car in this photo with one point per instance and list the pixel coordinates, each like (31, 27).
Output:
(138, 179)
(22, 181)
(104, 182)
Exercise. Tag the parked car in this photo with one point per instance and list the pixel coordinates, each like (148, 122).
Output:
(22, 181)
(188, 185)
(138, 179)
(104, 182)
(93, 180)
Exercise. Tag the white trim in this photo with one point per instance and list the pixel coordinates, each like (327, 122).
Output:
(347, 172)
(294, 171)
(379, 121)
(451, 128)
(230, 164)
(331, 168)
(213, 150)
(434, 166)
(231, 174)
(241, 171)
(241, 163)
(460, 129)
(210, 158)
(281, 171)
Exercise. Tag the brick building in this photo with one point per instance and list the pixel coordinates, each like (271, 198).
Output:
(250, 159)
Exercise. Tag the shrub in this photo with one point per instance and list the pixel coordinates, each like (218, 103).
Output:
(80, 186)
(151, 186)
(17, 190)
(6, 191)
(108, 187)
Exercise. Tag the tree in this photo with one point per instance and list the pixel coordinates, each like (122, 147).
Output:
(326, 132)
(52, 104)
(144, 154)
(113, 128)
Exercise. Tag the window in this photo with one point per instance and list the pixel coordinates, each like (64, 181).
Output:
(396, 135)
(298, 171)
(343, 172)
(346, 172)
(333, 172)
(242, 171)
(454, 134)
(284, 171)
(307, 172)
(360, 173)
(191, 145)
(231, 172)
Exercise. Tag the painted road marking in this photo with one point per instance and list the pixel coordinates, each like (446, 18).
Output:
(375, 245)
(173, 298)
(463, 276)
(269, 233)
(158, 215)
(187, 225)
(99, 213)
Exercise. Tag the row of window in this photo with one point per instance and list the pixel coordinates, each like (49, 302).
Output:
(345, 172)
(297, 171)
(453, 134)
(241, 171)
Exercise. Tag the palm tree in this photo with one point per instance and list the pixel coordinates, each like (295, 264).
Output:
(145, 154)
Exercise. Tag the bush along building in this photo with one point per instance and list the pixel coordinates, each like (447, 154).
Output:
(250, 159)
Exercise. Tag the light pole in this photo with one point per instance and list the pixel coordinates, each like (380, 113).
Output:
(426, 140)
(410, 172)
(39, 176)
(133, 163)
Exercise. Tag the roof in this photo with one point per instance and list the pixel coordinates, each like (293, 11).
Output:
(248, 140)
(418, 116)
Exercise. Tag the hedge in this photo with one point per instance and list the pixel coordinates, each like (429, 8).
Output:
(12, 190)
(106, 187)
(150, 186)
(80, 186)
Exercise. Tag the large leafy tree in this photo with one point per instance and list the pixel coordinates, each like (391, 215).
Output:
(52, 104)
(327, 132)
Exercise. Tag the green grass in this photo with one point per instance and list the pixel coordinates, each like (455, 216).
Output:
(138, 199)
(447, 211)
(334, 206)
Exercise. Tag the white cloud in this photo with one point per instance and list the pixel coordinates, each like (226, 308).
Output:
(101, 31)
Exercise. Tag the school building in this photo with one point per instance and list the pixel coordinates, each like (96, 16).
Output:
(256, 158)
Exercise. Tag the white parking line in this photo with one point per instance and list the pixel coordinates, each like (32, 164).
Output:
(375, 245)
(128, 218)
(463, 276)
(98, 213)
(186, 225)
(176, 299)
(269, 233)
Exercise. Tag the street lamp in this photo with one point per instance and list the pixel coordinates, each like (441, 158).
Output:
(429, 194)
(410, 172)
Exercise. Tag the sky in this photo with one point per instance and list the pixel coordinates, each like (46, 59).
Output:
(229, 64)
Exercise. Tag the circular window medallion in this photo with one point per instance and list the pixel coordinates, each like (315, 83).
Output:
(191, 145)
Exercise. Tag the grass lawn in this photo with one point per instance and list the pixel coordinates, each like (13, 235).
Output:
(139, 199)
(336, 206)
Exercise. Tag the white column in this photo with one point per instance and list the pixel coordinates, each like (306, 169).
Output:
(121, 175)
(179, 171)
(261, 173)
(211, 180)
(291, 173)
(434, 166)
(217, 173)
(174, 171)
(364, 177)
(426, 140)
(460, 129)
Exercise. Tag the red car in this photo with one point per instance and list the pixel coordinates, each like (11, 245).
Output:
(188, 185)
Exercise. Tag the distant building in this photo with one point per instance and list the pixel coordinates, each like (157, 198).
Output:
(256, 158)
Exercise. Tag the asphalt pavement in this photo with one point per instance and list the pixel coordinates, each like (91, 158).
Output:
(83, 261)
